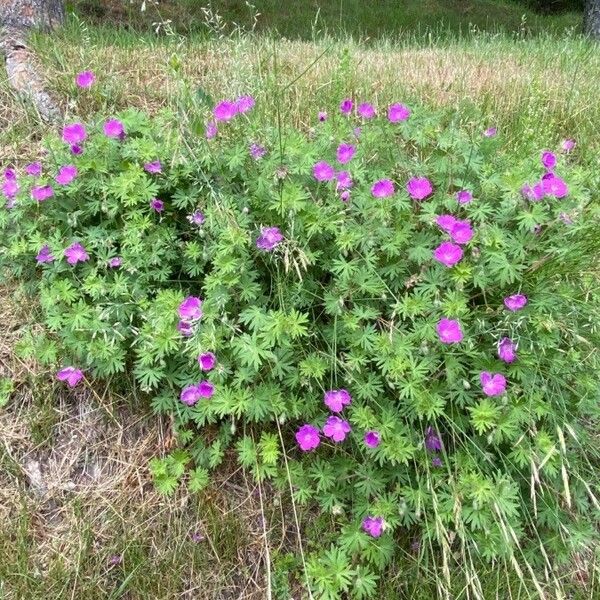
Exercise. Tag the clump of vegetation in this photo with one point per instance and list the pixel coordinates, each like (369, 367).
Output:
(389, 316)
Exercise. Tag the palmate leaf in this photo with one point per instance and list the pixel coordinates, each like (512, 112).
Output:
(365, 583)
(249, 351)
(198, 479)
(485, 415)
(166, 484)
(501, 269)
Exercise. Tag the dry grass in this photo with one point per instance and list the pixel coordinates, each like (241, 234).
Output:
(543, 88)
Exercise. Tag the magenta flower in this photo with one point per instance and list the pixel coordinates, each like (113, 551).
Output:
(433, 442)
(244, 104)
(346, 106)
(270, 238)
(71, 375)
(157, 205)
(211, 130)
(190, 309)
(449, 331)
(206, 389)
(322, 116)
(345, 152)
(336, 429)
(190, 395)
(548, 160)
(74, 133)
(366, 110)
(373, 526)
(10, 173)
(419, 188)
(308, 438)
(66, 174)
(436, 461)
(76, 253)
(507, 350)
(398, 112)
(85, 79)
(448, 254)
(461, 232)
(372, 439)
(196, 218)
(153, 167)
(44, 255)
(445, 222)
(41, 193)
(257, 151)
(10, 188)
(568, 145)
(493, 384)
(515, 302)
(490, 132)
(345, 196)
(185, 328)
(464, 196)
(34, 169)
(207, 361)
(115, 262)
(75, 149)
(554, 186)
(113, 128)
(197, 537)
(532, 193)
(335, 400)
(225, 110)
(344, 181)
(323, 171)
(115, 560)
(383, 188)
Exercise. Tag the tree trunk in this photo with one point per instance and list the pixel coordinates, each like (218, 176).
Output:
(591, 19)
(16, 17)
(31, 13)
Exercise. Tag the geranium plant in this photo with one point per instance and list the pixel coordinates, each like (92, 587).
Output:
(398, 304)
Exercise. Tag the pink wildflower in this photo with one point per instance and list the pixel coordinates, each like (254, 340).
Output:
(85, 79)
(419, 188)
(71, 375)
(449, 331)
(398, 112)
(308, 438)
(493, 384)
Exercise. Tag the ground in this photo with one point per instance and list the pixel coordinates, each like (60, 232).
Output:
(81, 517)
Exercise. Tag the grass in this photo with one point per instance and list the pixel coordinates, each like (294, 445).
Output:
(74, 485)
(302, 19)
(536, 90)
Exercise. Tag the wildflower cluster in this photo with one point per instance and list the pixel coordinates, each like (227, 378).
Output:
(404, 300)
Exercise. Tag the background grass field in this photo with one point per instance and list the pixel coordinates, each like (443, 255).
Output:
(302, 19)
(74, 486)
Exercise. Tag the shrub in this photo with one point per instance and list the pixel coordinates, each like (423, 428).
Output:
(401, 328)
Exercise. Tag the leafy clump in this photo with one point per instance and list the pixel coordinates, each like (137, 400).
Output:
(391, 316)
